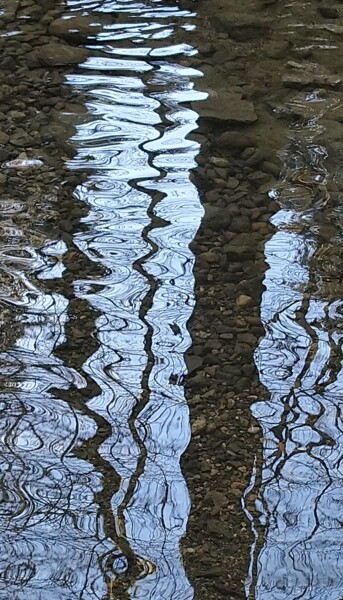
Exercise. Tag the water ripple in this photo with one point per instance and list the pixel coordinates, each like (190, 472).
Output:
(300, 363)
(94, 416)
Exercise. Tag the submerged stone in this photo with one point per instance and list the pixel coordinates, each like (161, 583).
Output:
(23, 164)
(302, 79)
(235, 140)
(328, 12)
(241, 27)
(227, 107)
(78, 27)
(22, 138)
(55, 54)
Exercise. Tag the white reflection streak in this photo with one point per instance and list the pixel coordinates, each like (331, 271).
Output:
(302, 430)
(153, 268)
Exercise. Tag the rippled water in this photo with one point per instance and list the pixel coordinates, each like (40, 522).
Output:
(93, 502)
(300, 362)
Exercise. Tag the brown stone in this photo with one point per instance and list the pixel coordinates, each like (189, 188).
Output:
(54, 54)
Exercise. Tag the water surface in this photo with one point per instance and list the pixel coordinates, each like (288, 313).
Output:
(300, 363)
(93, 500)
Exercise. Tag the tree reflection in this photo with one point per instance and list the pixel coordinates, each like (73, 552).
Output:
(95, 419)
(299, 362)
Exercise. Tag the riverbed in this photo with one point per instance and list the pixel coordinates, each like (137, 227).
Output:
(170, 299)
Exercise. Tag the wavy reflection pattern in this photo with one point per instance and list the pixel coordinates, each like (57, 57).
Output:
(50, 531)
(57, 542)
(300, 363)
(144, 213)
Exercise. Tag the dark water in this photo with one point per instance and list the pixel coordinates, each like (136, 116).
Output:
(93, 502)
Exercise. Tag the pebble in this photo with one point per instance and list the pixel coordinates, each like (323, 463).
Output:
(23, 139)
(4, 138)
(232, 183)
(199, 425)
(328, 12)
(244, 301)
(23, 164)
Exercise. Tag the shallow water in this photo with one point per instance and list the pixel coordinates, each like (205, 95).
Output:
(93, 499)
(93, 502)
(299, 359)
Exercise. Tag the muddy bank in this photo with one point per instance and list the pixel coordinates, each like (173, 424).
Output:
(265, 147)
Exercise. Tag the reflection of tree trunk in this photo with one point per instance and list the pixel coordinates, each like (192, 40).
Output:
(299, 361)
(142, 304)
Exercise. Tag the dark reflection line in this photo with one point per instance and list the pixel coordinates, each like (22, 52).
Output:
(145, 307)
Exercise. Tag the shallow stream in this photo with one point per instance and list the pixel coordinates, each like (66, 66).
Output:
(95, 322)
(94, 502)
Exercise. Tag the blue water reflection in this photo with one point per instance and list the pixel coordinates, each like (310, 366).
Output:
(59, 538)
(299, 362)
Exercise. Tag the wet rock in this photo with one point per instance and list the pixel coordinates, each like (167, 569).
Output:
(5, 153)
(17, 116)
(210, 257)
(216, 218)
(240, 26)
(252, 156)
(245, 239)
(4, 138)
(232, 370)
(193, 363)
(206, 49)
(5, 92)
(235, 140)
(218, 499)
(60, 132)
(219, 162)
(199, 426)
(78, 27)
(218, 528)
(248, 338)
(232, 183)
(252, 287)
(54, 54)
(277, 48)
(227, 107)
(240, 224)
(336, 113)
(11, 7)
(238, 253)
(301, 80)
(244, 301)
(22, 139)
(238, 485)
(309, 74)
(230, 403)
(328, 12)
(271, 168)
(244, 383)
